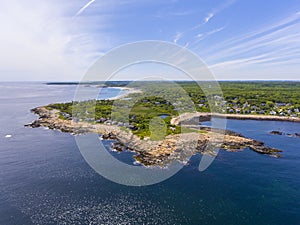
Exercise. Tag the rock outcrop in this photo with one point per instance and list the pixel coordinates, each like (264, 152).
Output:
(173, 147)
(192, 118)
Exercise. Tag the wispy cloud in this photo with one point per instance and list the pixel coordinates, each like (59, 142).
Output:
(48, 42)
(177, 37)
(84, 7)
(264, 32)
(274, 46)
(217, 10)
(208, 18)
(202, 36)
(169, 14)
(277, 36)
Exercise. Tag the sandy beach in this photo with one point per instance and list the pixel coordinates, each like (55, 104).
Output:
(128, 91)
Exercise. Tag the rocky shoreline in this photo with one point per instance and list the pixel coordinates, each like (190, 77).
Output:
(281, 133)
(159, 153)
(201, 117)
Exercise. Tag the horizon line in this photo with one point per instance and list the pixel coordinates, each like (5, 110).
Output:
(220, 80)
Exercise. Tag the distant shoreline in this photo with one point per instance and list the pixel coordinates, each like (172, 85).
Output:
(128, 90)
(128, 81)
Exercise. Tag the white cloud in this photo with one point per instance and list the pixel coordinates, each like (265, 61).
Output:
(41, 40)
(217, 10)
(262, 32)
(214, 31)
(276, 40)
(202, 36)
(84, 7)
(178, 37)
(208, 17)
(273, 50)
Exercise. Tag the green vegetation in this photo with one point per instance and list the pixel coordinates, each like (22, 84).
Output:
(152, 110)
(145, 117)
(275, 98)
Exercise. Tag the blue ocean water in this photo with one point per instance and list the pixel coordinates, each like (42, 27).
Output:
(45, 180)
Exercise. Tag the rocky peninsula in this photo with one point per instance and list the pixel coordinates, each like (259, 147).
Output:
(148, 152)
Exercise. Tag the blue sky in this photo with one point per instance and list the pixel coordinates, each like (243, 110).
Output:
(237, 39)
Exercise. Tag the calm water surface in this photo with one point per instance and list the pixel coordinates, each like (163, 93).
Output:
(45, 180)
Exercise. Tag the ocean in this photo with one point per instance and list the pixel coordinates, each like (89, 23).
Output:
(45, 180)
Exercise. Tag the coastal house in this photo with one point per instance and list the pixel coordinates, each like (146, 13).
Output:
(254, 107)
(246, 105)
(101, 120)
(66, 115)
(218, 98)
(231, 111)
(89, 119)
(223, 103)
(132, 127)
(108, 122)
(280, 104)
(238, 111)
(120, 124)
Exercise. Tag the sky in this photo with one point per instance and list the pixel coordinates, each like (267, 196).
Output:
(54, 40)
